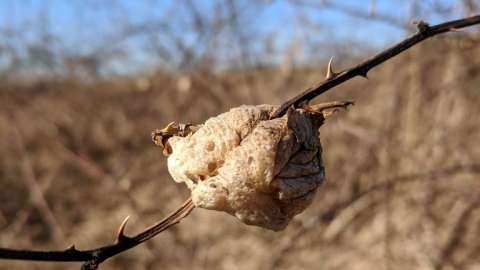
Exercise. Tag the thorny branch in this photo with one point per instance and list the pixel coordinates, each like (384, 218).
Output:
(424, 32)
(93, 257)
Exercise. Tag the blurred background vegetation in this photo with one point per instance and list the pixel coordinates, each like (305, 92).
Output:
(82, 84)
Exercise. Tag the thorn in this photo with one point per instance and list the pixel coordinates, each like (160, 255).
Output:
(330, 73)
(71, 248)
(120, 234)
(364, 74)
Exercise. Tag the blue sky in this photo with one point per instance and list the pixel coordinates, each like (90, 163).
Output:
(86, 19)
(80, 26)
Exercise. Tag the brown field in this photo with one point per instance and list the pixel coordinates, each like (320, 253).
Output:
(403, 167)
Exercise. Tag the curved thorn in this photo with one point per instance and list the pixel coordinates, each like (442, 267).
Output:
(71, 247)
(120, 234)
(364, 74)
(330, 73)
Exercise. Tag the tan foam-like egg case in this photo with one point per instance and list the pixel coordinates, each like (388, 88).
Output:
(262, 171)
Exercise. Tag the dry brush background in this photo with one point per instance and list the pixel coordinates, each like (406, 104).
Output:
(403, 166)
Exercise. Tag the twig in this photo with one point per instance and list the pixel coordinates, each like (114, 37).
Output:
(424, 32)
(93, 257)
